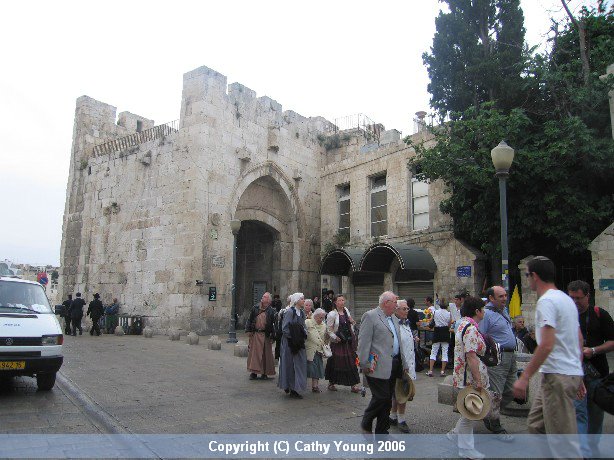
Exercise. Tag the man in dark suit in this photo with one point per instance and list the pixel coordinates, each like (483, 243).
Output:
(380, 337)
(95, 311)
(76, 314)
(66, 314)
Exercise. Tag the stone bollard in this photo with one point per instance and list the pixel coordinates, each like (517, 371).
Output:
(446, 393)
(119, 331)
(148, 332)
(173, 334)
(517, 410)
(214, 343)
(241, 349)
(192, 338)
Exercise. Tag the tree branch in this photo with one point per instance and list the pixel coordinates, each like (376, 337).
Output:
(581, 27)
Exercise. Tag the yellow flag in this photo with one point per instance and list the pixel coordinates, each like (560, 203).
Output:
(515, 304)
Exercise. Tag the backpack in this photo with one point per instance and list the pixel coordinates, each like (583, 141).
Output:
(603, 394)
(492, 355)
(277, 326)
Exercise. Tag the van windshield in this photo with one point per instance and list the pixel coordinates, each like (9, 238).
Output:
(18, 297)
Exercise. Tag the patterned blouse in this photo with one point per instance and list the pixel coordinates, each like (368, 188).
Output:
(472, 341)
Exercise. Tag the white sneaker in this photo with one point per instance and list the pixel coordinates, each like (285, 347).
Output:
(470, 453)
(451, 435)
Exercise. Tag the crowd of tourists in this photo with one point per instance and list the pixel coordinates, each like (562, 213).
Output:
(569, 343)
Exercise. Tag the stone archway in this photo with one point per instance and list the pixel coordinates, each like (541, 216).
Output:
(267, 244)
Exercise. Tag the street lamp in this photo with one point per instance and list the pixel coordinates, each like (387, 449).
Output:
(235, 226)
(502, 157)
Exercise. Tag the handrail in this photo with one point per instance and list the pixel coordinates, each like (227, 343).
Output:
(134, 139)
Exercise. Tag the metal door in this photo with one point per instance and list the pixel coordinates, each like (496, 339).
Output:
(258, 290)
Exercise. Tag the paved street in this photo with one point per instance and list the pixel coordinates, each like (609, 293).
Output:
(132, 384)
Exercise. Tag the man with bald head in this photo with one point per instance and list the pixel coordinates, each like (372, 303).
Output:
(498, 324)
(259, 328)
(379, 339)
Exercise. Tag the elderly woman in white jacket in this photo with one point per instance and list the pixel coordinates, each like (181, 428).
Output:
(408, 358)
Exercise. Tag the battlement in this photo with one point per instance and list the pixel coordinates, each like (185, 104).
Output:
(206, 95)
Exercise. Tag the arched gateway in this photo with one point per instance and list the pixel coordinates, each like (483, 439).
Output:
(268, 243)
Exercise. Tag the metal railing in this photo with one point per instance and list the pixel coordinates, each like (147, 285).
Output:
(358, 121)
(134, 139)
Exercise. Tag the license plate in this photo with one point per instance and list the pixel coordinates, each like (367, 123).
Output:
(12, 365)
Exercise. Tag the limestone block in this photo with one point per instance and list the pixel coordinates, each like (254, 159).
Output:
(148, 332)
(445, 391)
(192, 338)
(241, 349)
(214, 343)
(173, 334)
(119, 331)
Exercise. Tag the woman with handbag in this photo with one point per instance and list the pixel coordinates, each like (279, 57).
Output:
(442, 319)
(316, 346)
(341, 366)
(470, 375)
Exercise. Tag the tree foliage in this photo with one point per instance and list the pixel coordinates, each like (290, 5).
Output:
(561, 184)
(477, 56)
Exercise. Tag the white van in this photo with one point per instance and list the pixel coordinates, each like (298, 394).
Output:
(30, 334)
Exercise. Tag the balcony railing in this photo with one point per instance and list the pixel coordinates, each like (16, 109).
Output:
(135, 139)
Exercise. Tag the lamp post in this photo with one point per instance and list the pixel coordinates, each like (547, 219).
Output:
(235, 226)
(502, 157)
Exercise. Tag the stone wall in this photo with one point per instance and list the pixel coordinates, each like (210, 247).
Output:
(529, 297)
(144, 223)
(602, 250)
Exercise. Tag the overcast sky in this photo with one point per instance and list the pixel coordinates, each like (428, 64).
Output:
(330, 58)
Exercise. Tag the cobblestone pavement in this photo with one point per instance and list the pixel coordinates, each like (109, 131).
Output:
(132, 384)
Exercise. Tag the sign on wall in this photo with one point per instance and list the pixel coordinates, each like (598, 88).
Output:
(212, 293)
(218, 261)
(464, 271)
(606, 284)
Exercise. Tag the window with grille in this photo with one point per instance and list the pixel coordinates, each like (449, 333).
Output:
(379, 206)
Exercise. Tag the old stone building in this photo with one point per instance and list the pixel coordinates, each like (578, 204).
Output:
(149, 209)
(397, 237)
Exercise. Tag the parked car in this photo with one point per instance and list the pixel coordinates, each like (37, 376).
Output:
(30, 334)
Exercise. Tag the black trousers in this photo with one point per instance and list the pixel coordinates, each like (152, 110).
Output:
(95, 326)
(381, 400)
(67, 325)
(76, 324)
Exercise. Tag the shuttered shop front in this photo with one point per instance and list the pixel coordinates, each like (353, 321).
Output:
(366, 297)
(417, 290)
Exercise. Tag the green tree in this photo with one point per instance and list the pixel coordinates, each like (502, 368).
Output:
(477, 55)
(561, 188)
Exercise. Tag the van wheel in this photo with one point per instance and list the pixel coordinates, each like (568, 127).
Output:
(45, 382)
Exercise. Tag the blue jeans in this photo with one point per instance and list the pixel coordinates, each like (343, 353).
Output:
(589, 418)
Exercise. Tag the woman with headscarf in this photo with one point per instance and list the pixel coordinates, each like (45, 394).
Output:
(341, 366)
(293, 358)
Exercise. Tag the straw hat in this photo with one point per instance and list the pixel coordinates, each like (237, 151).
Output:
(404, 390)
(473, 404)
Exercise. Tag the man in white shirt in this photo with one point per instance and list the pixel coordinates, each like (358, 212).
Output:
(558, 357)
